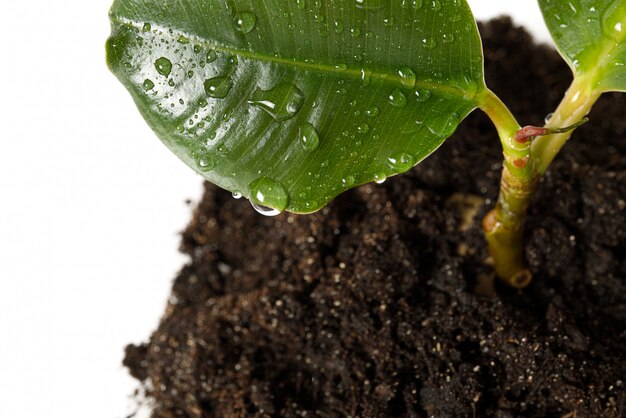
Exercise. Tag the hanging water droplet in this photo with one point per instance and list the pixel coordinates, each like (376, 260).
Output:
(380, 178)
(264, 210)
(407, 77)
(308, 137)
(370, 4)
(148, 84)
(218, 87)
(548, 117)
(163, 66)
(397, 98)
(268, 194)
(237, 195)
(372, 111)
(282, 102)
(422, 95)
(401, 162)
(245, 22)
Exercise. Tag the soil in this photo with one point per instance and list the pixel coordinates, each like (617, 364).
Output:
(383, 303)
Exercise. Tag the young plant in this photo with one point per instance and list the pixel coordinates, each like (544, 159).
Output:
(291, 102)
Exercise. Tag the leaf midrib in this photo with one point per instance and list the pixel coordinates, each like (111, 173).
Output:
(395, 79)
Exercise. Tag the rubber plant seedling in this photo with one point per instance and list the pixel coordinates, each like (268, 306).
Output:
(291, 102)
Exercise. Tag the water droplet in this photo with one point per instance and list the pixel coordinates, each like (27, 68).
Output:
(380, 178)
(148, 84)
(341, 67)
(370, 4)
(163, 66)
(401, 162)
(363, 128)
(429, 43)
(245, 22)
(612, 25)
(407, 77)
(422, 95)
(182, 40)
(338, 24)
(270, 194)
(205, 163)
(218, 87)
(355, 32)
(147, 27)
(397, 98)
(211, 56)
(389, 21)
(548, 117)
(301, 4)
(197, 49)
(171, 83)
(308, 137)
(448, 38)
(282, 102)
(372, 111)
(348, 181)
(436, 5)
(366, 77)
(237, 195)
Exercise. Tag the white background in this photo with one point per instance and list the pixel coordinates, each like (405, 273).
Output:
(91, 205)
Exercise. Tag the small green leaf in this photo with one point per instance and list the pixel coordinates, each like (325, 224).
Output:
(291, 102)
(591, 36)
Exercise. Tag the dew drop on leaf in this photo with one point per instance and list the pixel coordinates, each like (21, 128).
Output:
(348, 181)
(380, 178)
(401, 162)
(205, 163)
(301, 4)
(370, 4)
(268, 193)
(147, 27)
(308, 137)
(612, 25)
(245, 22)
(211, 56)
(148, 84)
(218, 87)
(448, 38)
(163, 66)
(182, 40)
(407, 77)
(372, 111)
(429, 43)
(237, 195)
(422, 95)
(281, 102)
(397, 98)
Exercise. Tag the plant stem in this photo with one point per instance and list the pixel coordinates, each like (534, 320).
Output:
(524, 164)
(575, 105)
(504, 225)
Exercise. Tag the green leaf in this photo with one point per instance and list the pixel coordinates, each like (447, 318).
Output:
(590, 34)
(291, 102)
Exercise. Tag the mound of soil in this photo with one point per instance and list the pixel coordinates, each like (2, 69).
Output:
(383, 303)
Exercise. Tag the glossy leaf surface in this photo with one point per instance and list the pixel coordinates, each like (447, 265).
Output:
(591, 36)
(291, 102)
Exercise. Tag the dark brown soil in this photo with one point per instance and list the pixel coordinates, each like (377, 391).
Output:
(380, 305)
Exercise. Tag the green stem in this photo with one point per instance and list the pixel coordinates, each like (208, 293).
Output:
(575, 105)
(504, 225)
(524, 164)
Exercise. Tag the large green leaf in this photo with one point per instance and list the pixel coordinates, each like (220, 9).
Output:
(591, 36)
(291, 102)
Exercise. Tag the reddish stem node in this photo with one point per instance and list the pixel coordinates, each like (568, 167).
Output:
(527, 133)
